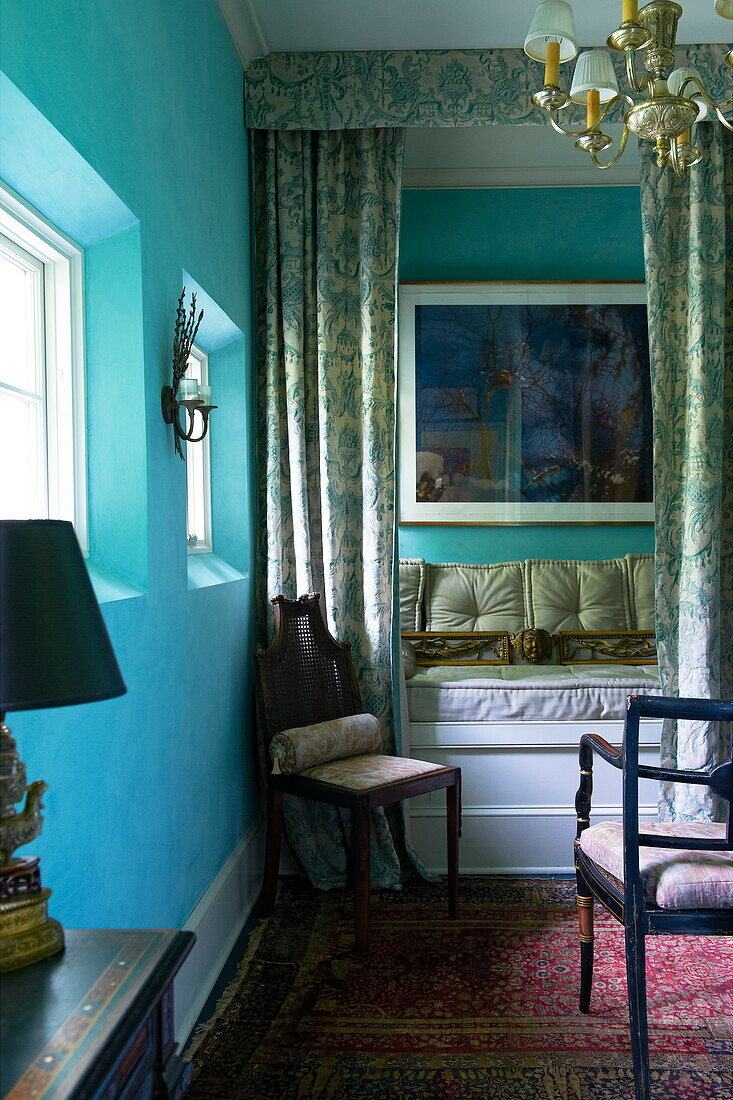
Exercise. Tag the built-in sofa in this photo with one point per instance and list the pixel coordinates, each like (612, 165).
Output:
(506, 665)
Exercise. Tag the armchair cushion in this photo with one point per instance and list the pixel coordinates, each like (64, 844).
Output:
(678, 878)
(362, 773)
(294, 750)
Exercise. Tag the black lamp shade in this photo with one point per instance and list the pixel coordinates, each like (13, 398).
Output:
(54, 645)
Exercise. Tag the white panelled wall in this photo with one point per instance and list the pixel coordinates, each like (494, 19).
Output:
(519, 784)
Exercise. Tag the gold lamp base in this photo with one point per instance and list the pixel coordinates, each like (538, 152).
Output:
(27, 933)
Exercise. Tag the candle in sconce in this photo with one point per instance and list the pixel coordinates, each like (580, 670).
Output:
(205, 394)
(629, 11)
(188, 389)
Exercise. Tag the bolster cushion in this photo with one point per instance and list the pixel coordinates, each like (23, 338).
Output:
(296, 749)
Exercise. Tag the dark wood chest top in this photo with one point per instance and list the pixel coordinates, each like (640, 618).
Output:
(94, 1021)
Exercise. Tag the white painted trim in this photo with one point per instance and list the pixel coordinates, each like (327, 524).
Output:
(524, 872)
(198, 465)
(244, 30)
(528, 811)
(418, 179)
(502, 746)
(258, 27)
(218, 920)
(64, 368)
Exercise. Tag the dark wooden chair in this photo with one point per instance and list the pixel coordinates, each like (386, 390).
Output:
(649, 902)
(307, 676)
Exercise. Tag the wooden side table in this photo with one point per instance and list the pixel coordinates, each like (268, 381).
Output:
(95, 1022)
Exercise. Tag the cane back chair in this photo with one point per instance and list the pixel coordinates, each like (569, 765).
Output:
(307, 677)
(657, 881)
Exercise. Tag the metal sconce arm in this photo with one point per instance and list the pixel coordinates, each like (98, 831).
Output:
(171, 414)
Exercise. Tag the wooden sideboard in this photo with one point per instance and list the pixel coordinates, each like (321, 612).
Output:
(96, 1021)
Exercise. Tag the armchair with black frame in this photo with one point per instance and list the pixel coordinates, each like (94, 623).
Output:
(323, 748)
(657, 881)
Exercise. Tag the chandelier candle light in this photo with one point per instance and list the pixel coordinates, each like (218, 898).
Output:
(675, 98)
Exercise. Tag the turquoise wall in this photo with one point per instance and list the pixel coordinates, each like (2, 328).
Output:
(149, 793)
(521, 234)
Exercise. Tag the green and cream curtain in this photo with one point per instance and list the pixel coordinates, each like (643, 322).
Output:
(327, 209)
(688, 244)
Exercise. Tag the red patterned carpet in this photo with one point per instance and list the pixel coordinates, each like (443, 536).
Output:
(482, 1007)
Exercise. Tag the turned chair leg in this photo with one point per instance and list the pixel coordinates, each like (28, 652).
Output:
(453, 814)
(584, 901)
(274, 822)
(636, 985)
(361, 861)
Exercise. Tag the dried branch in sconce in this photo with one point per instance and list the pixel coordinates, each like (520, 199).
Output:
(187, 326)
(184, 337)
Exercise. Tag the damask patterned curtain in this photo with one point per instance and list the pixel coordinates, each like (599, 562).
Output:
(327, 224)
(688, 244)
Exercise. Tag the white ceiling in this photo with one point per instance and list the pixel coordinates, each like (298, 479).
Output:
(272, 25)
(508, 156)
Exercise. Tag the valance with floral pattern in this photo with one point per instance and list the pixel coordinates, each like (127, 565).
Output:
(359, 90)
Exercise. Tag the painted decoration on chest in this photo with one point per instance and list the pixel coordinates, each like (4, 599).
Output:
(525, 403)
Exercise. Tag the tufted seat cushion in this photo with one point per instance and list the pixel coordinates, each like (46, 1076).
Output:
(361, 773)
(518, 693)
(672, 878)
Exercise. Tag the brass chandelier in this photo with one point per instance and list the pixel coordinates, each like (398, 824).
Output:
(674, 98)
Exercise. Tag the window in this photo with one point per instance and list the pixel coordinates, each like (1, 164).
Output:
(42, 431)
(198, 470)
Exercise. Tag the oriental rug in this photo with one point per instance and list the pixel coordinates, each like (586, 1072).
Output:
(481, 1007)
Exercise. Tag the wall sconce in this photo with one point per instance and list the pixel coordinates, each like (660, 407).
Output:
(171, 406)
(185, 393)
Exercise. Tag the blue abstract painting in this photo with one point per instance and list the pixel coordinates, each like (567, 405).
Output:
(533, 403)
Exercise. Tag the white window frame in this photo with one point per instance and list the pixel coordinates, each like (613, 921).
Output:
(63, 316)
(203, 456)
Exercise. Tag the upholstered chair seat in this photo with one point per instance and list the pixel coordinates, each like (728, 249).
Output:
(361, 773)
(673, 878)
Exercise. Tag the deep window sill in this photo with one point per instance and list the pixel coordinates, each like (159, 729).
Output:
(205, 570)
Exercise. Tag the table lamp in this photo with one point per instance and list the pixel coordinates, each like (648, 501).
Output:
(54, 652)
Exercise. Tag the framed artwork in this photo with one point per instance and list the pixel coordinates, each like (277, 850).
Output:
(524, 403)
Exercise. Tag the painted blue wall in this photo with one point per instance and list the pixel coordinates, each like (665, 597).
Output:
(521, 234)
(149, 793)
